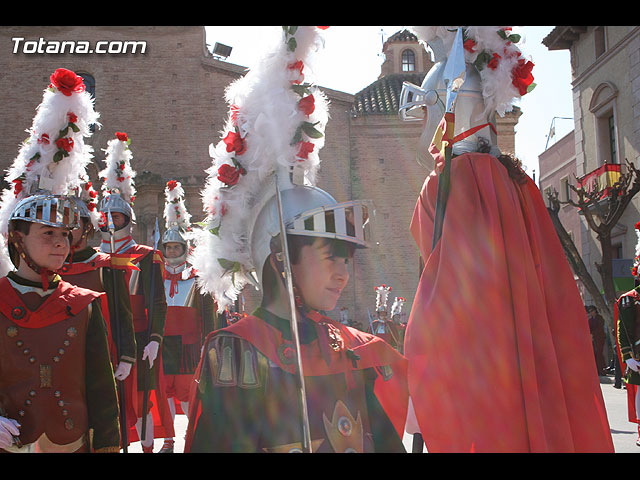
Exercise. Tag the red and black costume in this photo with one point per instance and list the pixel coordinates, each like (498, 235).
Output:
(190, 318)
(244, 398)
(56, 377)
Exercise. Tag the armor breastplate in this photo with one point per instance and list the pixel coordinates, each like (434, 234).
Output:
(183, 297)
(42, 378)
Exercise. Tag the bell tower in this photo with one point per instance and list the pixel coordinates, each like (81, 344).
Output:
(404, 54)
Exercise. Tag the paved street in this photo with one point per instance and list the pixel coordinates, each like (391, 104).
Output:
(623, 432)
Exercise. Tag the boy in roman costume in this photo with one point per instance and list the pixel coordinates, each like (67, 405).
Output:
(146, 294)
(191, 315)
(496, 309)
(300, 381)
(57, 389)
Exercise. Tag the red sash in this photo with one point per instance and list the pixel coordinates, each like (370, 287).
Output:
(183, 321)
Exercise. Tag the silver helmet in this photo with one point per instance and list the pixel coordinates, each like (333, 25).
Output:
(173, 235)
(309, 211)
(52, 210)
(115, 203)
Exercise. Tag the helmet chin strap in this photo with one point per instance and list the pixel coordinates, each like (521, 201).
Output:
(24, 256)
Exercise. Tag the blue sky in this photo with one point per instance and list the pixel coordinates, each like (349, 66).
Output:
(352, 69)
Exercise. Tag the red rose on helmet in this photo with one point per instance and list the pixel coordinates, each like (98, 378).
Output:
(521, 76)
(228, 174)
(235, 143)
(305, 148)
(67, 82)
(65, 143)
(469, 44)
(307, 105)
(17, 186)
(122, 136)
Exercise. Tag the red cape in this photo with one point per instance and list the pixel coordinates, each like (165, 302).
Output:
(498, 344)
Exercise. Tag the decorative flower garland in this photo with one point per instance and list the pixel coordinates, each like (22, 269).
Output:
(506, 75)
(521, 77)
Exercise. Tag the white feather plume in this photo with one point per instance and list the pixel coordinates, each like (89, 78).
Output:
(175, 210)
(53, 158)
(382, 294)
(118, 175)
(265, 115)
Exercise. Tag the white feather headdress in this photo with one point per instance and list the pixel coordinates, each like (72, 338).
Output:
(175, 210)
(276, 120)
(117, 176)
(396, 308)
(382, 294)
(504, 71)
(54, 157)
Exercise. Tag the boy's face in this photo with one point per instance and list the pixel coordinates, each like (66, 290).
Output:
(47, 246)
(320, 276)
(173, 250)
(119, 219)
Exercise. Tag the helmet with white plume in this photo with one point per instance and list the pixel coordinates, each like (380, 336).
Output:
(51, 163)
(118, 187)
(272, 138)
(177, 220)
(382, 295)
(396, 308)
(497, 75)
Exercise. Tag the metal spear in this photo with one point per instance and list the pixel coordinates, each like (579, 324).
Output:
(302, 395)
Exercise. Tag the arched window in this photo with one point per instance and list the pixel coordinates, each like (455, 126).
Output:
(603, 108)
(89, 83)
(408, 61)
(89, 86)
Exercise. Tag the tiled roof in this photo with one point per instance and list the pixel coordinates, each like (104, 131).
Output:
(403, 36)
(382, 97)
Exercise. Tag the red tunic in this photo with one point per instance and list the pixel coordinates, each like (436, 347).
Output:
(499, 351)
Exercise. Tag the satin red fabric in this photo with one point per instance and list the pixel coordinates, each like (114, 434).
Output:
(498, 344)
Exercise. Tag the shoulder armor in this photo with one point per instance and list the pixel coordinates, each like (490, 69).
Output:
(234, 362)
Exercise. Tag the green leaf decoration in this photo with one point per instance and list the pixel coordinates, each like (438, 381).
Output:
(531, 87)
(63, 132)
(310, 130)
(297, 137)
(74, 127)
(292, 44)
(215, 231)
(58, 156)
(302, 89)
(514, 37)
